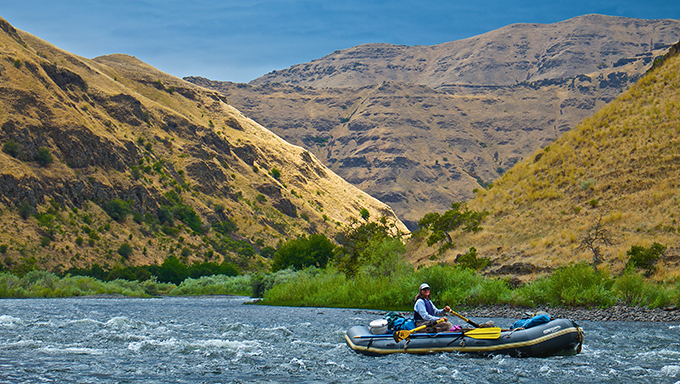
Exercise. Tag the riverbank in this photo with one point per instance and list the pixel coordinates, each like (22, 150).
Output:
(614, 313)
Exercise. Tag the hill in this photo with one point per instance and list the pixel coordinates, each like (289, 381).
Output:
(619, 168)
(421, 127)
(111, 161)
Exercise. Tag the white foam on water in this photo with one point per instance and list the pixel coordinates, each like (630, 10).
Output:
(85, 321)
(545, 369)
(72, 350)
(27, 343)
(284, 329)
(247, 345)
(441, 371)
(9, 321)
(332, 363)
(137, 346)
(671, 370)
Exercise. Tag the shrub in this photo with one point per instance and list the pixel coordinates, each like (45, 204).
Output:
(79, 241)
(315, 250)
(645, 258)
(125, 250)
(576, 285)
(364, 214)
(225, 227)
(187, 214)
(12, 148)
(276, 173)
(117, 209)
(44, 157)
(26, 210)
(45, 241)
(3, 248)
(470, 260)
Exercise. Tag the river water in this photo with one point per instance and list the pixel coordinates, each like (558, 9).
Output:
(221, 340)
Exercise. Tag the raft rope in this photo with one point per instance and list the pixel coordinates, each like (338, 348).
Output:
(581, 335)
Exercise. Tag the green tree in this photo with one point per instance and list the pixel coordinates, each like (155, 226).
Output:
(440, 226)
(315, 250)
(354, 240)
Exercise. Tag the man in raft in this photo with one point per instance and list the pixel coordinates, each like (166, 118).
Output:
(424, 312)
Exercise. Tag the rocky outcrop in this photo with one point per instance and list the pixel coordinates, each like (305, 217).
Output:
(425, 126)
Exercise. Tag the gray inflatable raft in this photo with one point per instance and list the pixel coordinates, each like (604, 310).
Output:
(559, 336)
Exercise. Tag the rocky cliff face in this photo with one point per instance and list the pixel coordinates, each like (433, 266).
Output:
(422, 127)
(78, 134)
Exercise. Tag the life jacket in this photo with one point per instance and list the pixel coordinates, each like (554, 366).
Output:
(428, 307)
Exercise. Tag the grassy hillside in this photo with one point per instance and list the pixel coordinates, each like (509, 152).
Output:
(111, 161)
(621, 166)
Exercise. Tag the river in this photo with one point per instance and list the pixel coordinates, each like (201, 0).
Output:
(221, 340)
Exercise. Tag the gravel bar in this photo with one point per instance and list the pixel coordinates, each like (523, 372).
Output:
(614, 313)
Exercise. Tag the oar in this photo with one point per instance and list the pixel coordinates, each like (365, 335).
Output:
(465, 319)
(476, 333)
(403, 334)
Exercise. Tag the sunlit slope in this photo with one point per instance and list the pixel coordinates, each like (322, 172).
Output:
(119, 129)
(621, 165)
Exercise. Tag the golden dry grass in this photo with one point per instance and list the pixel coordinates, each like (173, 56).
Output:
(622, 164)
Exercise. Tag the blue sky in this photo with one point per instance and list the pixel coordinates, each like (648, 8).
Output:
(242, 40)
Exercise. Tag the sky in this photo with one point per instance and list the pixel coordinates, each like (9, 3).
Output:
(241, 40)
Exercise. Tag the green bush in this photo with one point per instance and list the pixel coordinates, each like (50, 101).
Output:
(12, 148)
(187, 215)
(26, 210)
(470, 260)
(645, 258)
(44, 156)
(276, 173)
(3, 248)
(117, 209)
(577, 285)
(315, 250)
(125, 250)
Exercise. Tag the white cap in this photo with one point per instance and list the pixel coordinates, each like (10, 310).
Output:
(423, 286)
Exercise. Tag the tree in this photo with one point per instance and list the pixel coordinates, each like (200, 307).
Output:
(355, 240)
(315, 250)
(440, 226)
(597, 234)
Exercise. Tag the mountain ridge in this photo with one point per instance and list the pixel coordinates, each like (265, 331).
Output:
(421, 147)
(203, 182)
(506, 56)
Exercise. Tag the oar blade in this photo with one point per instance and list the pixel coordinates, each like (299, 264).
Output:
(484, 333)
(401, 335)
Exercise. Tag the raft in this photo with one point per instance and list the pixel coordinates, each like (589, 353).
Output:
(559, 336)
